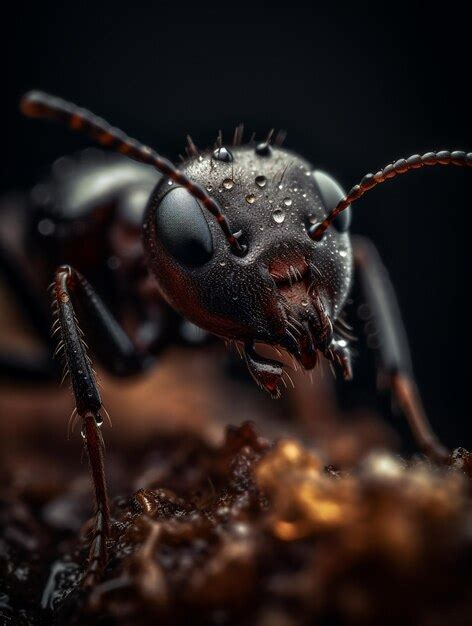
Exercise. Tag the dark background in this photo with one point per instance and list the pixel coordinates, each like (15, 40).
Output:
(354, 88)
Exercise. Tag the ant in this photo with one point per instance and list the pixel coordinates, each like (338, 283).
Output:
(251, 244)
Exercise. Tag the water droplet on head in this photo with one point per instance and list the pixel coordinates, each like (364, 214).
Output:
(288, 201)
(223, 154)
(304, 303)
(261, 181)
(278, 216)
(250, 198)
(263, 149)
(228, 183)
(222, 263)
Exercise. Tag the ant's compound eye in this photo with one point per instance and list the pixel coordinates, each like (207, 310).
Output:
(331, 193)
(182, 228)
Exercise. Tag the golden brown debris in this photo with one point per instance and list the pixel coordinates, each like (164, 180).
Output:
(257, 534)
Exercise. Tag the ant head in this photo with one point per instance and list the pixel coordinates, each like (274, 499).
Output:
(283, 289)
(240, 240)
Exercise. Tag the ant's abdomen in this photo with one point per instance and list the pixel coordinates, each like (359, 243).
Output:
(87, 212)
(80, 184)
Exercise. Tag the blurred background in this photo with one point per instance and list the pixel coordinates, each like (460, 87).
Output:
(354, 87)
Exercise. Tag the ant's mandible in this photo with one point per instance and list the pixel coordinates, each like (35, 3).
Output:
(240, 244)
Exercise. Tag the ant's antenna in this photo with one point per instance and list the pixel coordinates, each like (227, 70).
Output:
(42, 105)
(402, 166)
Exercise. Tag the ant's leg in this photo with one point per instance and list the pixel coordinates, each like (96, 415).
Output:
(74, 294)
(88, 406)
(393, 349)
(110, 343)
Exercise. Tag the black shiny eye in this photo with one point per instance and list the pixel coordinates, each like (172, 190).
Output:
(182, 228)
(331, 193)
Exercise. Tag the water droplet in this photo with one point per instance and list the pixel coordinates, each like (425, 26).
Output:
(278, 216)
(288, 201)
(228, 183)
(250, 198)
(223, 154)
(222, 263)
(261, 227)
(304, 303)
(342, 253)
(169, 182)
(261, 181)
(312, 219)
(263, 149)
(209, 188)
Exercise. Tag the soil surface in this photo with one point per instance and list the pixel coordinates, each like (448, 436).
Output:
(248, 531)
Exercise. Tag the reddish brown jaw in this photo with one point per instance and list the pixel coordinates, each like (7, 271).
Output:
(266, 372)
(307, 352)
(308, 329)
(293, 283)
